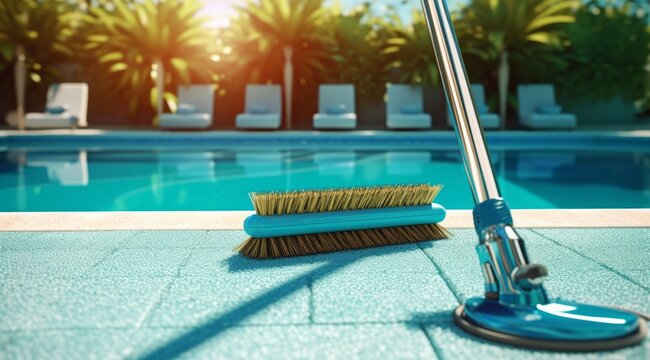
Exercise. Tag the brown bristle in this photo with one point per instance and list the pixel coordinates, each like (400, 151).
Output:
(310, 201)
(286, 246)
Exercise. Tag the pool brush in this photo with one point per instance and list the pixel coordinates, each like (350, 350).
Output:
(318, 221)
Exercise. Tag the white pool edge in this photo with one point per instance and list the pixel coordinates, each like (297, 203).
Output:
(232, 220)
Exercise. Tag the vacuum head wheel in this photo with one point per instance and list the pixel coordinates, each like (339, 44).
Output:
(555, 345)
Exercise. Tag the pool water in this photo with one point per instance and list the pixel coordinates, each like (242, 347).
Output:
(173, 179)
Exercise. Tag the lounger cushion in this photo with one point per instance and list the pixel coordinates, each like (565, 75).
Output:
(547, 121)
(411, 109)
(185, 109)
(482, 109)
(338, 109)
(489, 120)
(258, 121)
(405, 121)
(342, 121)
(200, 121)
(56, 109)
(46, 120)
(549, 109)
(258, 109)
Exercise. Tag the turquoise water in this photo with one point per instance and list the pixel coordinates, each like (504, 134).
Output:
(80, 180)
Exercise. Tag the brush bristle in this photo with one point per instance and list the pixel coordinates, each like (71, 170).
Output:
(310, 201)
(286, 246)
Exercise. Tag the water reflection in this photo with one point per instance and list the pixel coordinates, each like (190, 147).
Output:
(187, 164)
(406, 162)
(56, 180)
(257, 162)
(65, 168)
(542, 165)
(338, 163)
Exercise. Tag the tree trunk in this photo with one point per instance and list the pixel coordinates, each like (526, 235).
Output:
(504, 79)
(20, 74)
(160, 88)
(288, 83)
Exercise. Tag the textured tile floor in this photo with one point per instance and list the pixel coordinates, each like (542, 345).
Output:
(161, 294)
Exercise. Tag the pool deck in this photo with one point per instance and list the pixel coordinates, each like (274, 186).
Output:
(161, 294)
(149, 285)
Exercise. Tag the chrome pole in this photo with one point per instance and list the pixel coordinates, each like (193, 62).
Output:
(454, 80)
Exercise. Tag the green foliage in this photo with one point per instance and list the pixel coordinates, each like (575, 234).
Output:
(128, 37)
(357, 39)
(530, 32)
(43, 28)
(263, 29)
(410, 53)
(609, 47)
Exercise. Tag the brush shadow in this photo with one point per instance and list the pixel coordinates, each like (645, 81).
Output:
(326, 264)
(240, 263)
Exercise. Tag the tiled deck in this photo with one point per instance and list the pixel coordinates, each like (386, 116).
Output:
(159, 294)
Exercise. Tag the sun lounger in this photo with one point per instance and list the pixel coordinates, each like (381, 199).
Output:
(263, 108)
(404, 109)
(335, 107)
(195, 108)
(67, 107)
(488, 120)
(538, 109)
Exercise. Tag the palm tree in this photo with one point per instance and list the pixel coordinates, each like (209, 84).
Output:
(34, 36)
(505, 33)
(145, 45)
(410, 52)
(269, 30)
(358, 36)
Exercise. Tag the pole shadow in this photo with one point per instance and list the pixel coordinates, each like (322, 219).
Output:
(212, 328)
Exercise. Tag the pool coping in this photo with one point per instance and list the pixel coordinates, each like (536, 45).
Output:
(233, 220)
(444, 139)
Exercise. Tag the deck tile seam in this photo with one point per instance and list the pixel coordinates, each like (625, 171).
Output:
(605, 266)
(84, 277)
(145, 318)
(448, 282)
(246, 325)
(113, 250)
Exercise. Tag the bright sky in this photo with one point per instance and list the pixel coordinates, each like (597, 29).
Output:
(220, 10)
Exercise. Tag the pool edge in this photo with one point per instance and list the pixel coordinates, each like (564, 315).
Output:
(232, 220)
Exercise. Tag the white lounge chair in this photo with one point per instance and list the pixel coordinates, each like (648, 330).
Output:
(404, 109)
(263, 108)
(195, 105)
(64, 168)
(335, 107)
(488, 120)
(538, 109)
(67, 107)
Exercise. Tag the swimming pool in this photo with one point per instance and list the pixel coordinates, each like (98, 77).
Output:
(132, 174)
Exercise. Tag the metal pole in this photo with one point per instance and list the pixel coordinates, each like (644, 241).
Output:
(454, 80)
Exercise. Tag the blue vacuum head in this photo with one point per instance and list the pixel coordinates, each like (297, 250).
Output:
(516, 309)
